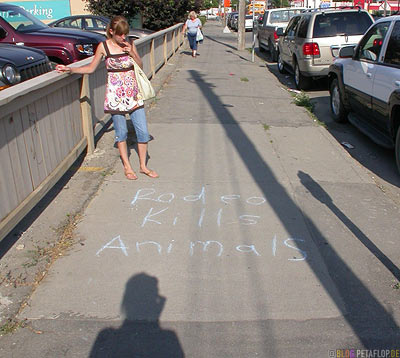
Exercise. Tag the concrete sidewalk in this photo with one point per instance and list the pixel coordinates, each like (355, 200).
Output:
(262, 237)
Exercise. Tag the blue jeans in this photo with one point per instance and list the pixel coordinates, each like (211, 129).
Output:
(192, 41)
(138, 118)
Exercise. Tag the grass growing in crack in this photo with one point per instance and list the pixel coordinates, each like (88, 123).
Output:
(302, 99)
(11, 326)
(244, 79)
(107, 172)
(36, 255)
(266, 126)
(49, 253)
(396, 286)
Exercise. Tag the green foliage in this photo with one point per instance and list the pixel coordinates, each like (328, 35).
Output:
(208, 4)
(156, 14)
(203, 19)
(280, 3)
(111, 8)
(302, 99)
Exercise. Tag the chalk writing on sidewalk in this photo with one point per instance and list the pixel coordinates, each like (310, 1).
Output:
(163, 209)
(156, 215)
(210, 247)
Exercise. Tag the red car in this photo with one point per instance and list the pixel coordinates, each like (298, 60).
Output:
(63, 46)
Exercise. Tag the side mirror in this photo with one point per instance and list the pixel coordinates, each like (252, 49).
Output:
(3, 33)
(279, 31)
(346, 52)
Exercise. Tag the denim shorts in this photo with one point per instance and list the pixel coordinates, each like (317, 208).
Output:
(138, 118)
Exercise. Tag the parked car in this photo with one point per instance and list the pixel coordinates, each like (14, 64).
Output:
(229, 17)
(313, 39)
(94, 23)
(21, 63)
(234, 22)
(63, 46)
(248, 23)
(271, 21)
(365, 84)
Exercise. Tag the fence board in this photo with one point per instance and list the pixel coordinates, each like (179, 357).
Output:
(33, 152)
(61, 127)
(36, 138)
(18, 158)
(8, 191)
(50, 151)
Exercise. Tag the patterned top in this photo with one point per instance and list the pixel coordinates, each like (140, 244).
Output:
(122, 94)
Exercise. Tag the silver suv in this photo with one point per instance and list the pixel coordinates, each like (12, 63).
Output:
(312, 41)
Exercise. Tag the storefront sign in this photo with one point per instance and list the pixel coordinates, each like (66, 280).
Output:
(45, 10)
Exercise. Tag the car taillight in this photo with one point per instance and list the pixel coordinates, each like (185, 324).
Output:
(276, 37)
(311, 49)
(377, 42)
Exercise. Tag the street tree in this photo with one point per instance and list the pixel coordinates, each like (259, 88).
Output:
(156, 14)
(280, 3)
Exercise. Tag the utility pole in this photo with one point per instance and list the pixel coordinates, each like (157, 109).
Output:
(253, 44)
(241, 31)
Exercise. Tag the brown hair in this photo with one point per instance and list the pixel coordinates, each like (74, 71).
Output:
(119, 25)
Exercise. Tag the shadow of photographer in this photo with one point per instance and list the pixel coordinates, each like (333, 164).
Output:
(140, 335)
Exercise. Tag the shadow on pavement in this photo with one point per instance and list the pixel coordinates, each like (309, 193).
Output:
(140, 335)
(373, 325)
(321, 195)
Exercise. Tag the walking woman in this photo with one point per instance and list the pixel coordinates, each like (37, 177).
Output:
(191, 25)
(122, 94)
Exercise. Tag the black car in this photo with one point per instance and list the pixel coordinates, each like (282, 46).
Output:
(94, 23)
(20, 63)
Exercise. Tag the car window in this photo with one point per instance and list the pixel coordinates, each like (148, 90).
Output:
(303, 26)
(279, 16)
(94, 24)
(371, 44)
(344, 23)
(74, 23)
(392, 56)
(292, 27)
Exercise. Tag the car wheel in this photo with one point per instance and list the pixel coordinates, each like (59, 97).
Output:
(301, 82)
(272, 51)
(397, 148)
(281, 65)
(339, 113)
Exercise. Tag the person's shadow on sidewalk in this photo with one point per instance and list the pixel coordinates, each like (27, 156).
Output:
(140, 335)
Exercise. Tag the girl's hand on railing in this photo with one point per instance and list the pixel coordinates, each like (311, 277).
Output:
(63, 68)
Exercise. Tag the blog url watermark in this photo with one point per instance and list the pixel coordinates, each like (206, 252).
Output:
(364, 353)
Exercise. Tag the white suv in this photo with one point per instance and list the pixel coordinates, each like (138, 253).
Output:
(364, 84)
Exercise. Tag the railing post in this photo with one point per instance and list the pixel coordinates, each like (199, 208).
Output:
(165, 48)
(152, 60)
(180, 40)
(173, 41)
(86, 113)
